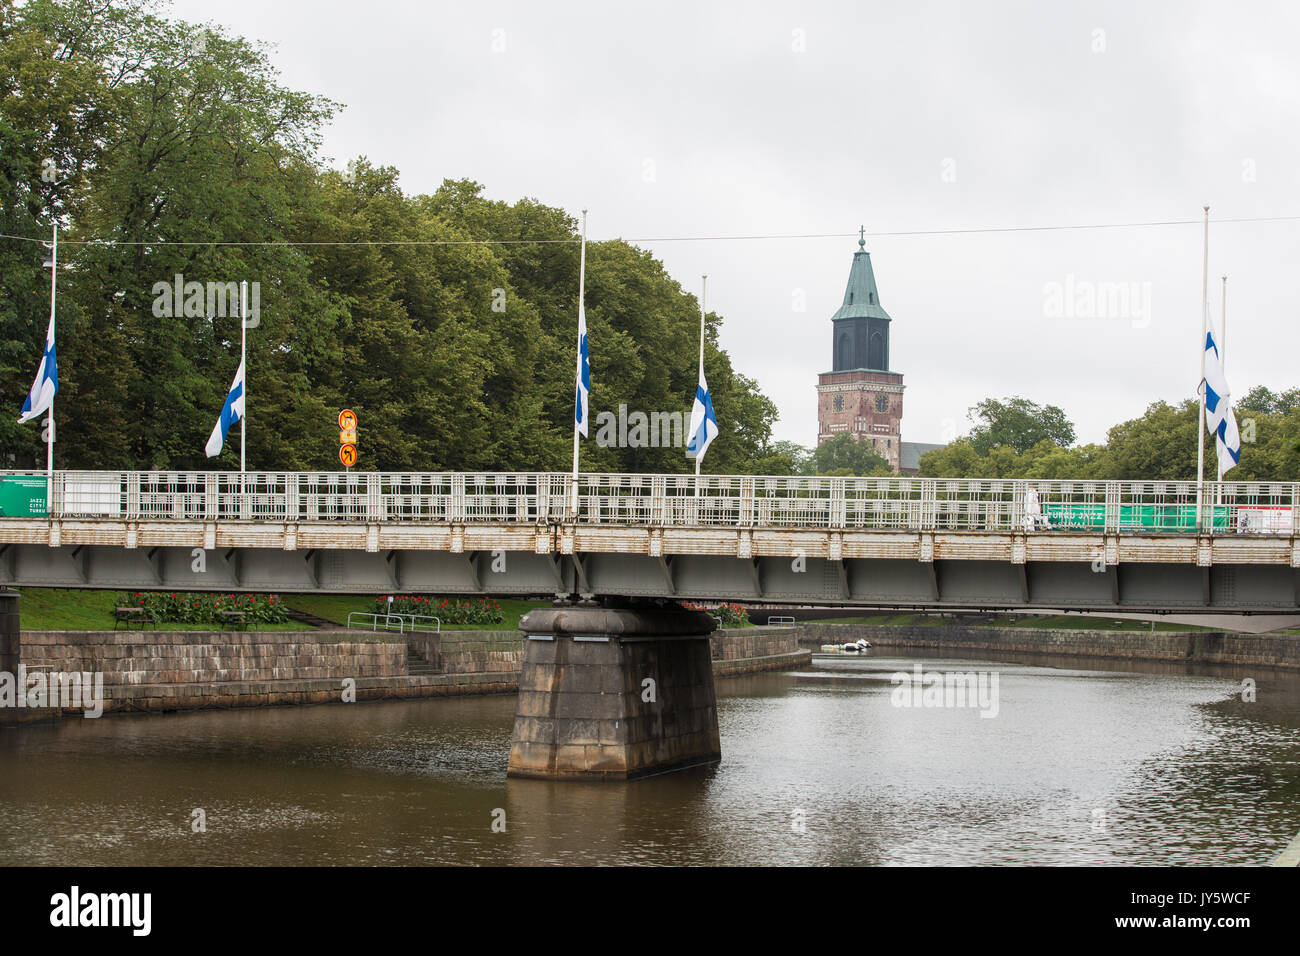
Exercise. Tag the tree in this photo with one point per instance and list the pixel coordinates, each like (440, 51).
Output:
(846, 455)
(1262, 400)
(1018, 424)
(1159, 445)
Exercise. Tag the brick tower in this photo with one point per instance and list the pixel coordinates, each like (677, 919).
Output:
(860, 395)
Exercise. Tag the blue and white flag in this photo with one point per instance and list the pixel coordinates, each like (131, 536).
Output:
(704, 424)
(1218, 412)
(47, 381)
(231, 412)
(583, 389)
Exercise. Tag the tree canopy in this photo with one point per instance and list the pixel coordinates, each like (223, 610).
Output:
(447, 322)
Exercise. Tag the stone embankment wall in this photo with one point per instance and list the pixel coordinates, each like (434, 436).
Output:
(184, 670)
(746, 650)
(133, 658)
(471, 652)
(1280, 651)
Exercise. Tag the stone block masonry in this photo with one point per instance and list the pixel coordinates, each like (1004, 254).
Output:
(134, 658)
(160, 671)
(614, 694)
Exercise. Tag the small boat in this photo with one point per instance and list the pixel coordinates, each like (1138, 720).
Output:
(861, 644)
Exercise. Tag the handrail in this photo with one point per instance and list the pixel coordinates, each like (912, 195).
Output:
(413, 618)
(935, 505)
(375, 619)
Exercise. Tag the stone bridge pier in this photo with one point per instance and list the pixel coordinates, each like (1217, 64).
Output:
(614, 693)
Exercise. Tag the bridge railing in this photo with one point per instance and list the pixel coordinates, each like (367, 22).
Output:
(531, 498)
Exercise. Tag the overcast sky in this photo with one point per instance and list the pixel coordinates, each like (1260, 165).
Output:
(721, 119)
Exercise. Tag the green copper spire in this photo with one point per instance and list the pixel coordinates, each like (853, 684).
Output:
(861, 300)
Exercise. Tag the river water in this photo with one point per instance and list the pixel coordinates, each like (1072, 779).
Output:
(1083, 763)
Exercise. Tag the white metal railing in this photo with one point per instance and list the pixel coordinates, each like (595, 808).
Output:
(414, 623)
(375, 620)
(780, 620)
(913, 504)
(406, 623)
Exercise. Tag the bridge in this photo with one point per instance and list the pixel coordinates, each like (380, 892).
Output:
(877, 542)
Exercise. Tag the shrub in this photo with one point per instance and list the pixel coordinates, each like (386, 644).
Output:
(731, 615)
(183, 607)
(446, 610)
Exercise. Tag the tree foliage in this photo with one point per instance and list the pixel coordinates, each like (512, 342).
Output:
(176, 151)
(1158, 445)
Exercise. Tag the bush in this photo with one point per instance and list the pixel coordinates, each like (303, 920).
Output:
(731, 615)
(181, 607)
(447, 611)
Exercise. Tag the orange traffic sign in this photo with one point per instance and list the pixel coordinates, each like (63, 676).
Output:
(348, 455)
(347, 420)
(348, 436)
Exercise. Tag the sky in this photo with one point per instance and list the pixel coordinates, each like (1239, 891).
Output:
(709, 119)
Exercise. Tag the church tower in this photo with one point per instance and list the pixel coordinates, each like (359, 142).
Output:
(860, 395)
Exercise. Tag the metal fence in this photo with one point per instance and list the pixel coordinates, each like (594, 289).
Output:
(917, 504)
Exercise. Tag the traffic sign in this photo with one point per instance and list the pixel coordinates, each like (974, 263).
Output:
(348, 455)
(345, 437)
(347, 420)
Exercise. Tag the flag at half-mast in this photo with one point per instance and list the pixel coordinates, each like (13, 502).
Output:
(47, 380)
(1218, 412)
(704, 423)
(583, 389)
(231, 412)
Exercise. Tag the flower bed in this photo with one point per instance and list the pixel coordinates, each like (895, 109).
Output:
(446, 610)
(732, 615)
(181, 607)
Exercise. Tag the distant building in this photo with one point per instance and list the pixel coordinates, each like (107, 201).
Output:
(860, 395)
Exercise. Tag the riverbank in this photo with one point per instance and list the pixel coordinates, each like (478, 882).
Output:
(163, 671)
(1272, 651)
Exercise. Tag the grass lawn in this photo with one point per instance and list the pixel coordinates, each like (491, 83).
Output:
(74, 609)
(336, 607)
(922, 620)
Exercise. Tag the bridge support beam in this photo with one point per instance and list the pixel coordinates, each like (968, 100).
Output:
(614, 694)
(10, 649)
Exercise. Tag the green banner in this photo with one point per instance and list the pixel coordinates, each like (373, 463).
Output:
(23, 496)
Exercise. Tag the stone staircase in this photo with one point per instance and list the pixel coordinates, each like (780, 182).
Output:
(417, 666)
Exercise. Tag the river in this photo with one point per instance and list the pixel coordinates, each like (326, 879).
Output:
(1096, 763)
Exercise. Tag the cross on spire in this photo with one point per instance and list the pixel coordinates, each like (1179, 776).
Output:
(862, 237)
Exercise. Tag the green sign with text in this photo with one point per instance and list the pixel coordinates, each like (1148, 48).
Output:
(23, 496)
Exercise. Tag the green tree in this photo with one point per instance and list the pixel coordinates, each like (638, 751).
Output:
(1018, 424)
(846, 455)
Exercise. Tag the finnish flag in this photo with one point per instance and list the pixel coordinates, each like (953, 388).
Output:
(47, 381)
(583, 390)
(231, 412)
(1218, 412)
(704, 424)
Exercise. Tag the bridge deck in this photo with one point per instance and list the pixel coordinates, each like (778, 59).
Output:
(882, 541)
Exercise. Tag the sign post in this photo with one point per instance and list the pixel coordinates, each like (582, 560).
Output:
(348, 437)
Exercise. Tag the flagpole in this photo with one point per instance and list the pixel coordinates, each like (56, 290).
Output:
(49, 438)
(704, 291)
(1223, 363)
(1223, 331)
(243, 357)
(1205, 320)
(582, 290)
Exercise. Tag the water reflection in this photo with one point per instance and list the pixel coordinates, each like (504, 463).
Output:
(1085, 763)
